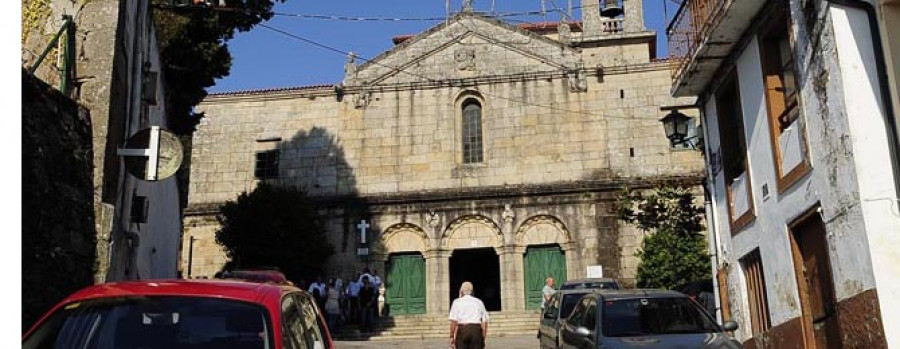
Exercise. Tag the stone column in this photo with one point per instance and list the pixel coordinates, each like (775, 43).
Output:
(574, 267)
(512, 274)
(634, 16)
(437, 281)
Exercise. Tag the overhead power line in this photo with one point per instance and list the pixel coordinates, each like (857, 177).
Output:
(345, 53)
(413, 19)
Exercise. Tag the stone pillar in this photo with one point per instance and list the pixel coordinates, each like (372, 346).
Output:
(634, 16)
(590, 19)
(512, 275)
(437, 281)
(574, 268)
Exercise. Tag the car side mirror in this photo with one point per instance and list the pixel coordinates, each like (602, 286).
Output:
(583, 331)
(730, 326)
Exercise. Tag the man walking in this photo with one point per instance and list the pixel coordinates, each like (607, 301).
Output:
(548, 292)
(468, 320)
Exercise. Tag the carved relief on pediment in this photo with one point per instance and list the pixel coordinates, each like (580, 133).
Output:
(465, 58)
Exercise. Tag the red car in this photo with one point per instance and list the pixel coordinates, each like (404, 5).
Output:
(176, 314)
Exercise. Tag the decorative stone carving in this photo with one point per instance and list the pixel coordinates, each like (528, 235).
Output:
(432, 219)
(467, 5)
(362, 98)
(350, 69)
(576, 76)
(543, 229)
(465, 58)
(508, 215)
(565, 33)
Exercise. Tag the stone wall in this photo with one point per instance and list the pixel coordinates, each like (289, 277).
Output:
(564, 129)
(58, 241)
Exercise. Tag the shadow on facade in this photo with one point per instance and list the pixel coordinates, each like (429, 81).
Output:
(314, 161)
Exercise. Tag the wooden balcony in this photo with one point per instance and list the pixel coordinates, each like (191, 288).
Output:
(701, 36)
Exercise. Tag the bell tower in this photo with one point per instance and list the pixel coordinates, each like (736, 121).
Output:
(611, 17)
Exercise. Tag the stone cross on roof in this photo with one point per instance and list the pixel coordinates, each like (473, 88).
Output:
(467, 5)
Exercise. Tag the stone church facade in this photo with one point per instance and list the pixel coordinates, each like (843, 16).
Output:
(476, 150)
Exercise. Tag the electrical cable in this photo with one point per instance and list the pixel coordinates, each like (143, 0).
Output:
(345, 53)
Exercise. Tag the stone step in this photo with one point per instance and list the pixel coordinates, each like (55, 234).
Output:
(427, 326)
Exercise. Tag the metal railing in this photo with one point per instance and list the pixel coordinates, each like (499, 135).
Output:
(688, 28)
(68, 54)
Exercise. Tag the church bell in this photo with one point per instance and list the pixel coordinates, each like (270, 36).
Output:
(611, 9)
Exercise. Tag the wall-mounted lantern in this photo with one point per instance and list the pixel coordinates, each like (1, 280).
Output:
(677, 125)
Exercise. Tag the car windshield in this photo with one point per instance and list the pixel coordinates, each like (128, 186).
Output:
(652, 316)
(155, 322)
(568, 303)
(591, 285)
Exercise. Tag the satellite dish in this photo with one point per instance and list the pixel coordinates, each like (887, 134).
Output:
(153, 154)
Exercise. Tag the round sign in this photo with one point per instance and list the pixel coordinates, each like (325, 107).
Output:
(158, 161)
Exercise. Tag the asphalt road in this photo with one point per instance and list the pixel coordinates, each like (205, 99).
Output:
(512, 342)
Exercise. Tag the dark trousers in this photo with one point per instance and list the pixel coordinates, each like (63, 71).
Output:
(354, 310)
(469, 337)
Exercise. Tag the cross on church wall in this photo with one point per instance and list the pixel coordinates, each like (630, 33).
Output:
(362, 226)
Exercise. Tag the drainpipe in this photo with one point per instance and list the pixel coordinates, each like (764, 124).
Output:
(890, 119)
(712, 226)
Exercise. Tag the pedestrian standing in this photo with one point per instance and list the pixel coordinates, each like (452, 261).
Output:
(353, 290)
(548, 292)
(368, 297)
(468, 320)
(317, 289)
(332, 307)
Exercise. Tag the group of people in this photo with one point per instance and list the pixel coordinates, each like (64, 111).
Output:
(354, 301)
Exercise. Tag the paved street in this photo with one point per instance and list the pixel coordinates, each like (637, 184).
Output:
(513, 342)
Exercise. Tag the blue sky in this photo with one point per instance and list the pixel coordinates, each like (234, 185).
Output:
(262, 58)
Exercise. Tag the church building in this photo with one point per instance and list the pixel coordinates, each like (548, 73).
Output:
(476, 150)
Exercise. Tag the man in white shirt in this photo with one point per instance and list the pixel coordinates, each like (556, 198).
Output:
(468, 320)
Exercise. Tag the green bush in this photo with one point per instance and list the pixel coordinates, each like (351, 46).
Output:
(675, 252)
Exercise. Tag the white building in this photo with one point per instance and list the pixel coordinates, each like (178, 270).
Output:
(799, 103)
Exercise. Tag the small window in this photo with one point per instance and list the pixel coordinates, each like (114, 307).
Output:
(756, 292)
(139, 208)
(734, 153)
(788, 143)
(267, 164)
(471, 132)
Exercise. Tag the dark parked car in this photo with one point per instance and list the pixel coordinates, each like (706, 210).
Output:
(169, 314)
(613, 319)
(591, 283)
(557, 310)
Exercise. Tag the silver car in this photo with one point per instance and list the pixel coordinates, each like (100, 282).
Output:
(612, 319)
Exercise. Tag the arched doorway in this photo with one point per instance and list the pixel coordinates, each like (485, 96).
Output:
(473, 241)
(404, 282)
(543, 236)
(481, 267)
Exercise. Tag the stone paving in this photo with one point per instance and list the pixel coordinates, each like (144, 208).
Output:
(510, 342)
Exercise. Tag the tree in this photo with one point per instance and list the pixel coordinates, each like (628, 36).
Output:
(675, 252)
(192, 43)
(274, 226)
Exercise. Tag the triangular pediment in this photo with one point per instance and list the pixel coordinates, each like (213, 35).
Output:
(468, 45)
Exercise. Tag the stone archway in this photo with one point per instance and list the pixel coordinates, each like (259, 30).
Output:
(472, 232)
(546, 244)
(543, 230)
(404, 237)
(475, 243)
(403, 248)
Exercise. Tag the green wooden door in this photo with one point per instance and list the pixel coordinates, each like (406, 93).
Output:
(405, 285)
(541, 262)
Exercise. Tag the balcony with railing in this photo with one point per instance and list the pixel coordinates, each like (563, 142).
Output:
(701, 36)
